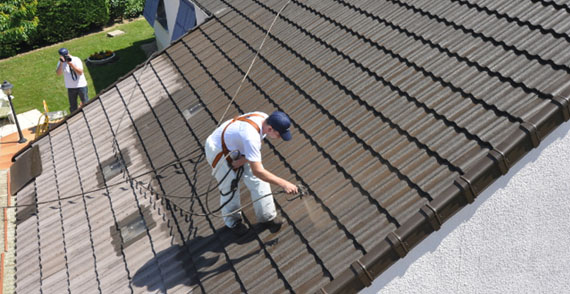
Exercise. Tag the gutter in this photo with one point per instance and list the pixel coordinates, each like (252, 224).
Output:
(362, 272)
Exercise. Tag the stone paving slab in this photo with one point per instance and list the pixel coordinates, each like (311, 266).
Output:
(27, 120)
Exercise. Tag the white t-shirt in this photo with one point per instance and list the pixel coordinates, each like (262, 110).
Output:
(80, 82)
(242, 136)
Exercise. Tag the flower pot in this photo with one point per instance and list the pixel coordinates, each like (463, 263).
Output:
(102, 61)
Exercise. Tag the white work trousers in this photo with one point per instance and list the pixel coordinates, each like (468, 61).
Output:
(264, 208)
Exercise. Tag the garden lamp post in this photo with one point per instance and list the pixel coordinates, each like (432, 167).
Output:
(7, 89)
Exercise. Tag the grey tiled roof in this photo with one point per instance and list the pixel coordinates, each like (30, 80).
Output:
(403, 112)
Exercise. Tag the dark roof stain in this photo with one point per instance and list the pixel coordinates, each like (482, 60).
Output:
(403, 112)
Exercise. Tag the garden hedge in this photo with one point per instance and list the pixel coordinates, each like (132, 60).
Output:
(29, 24)
(65, 19)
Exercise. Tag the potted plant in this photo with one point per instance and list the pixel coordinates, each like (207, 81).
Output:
(101, 57)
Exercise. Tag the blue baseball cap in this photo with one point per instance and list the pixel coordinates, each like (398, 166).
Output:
(63, 51)
(280, 122)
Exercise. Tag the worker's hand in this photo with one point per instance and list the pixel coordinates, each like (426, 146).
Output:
(289, 188)
(239, 162)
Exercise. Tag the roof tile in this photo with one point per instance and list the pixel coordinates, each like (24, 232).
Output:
(394, 105)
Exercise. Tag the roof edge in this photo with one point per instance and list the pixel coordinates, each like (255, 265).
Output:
(463, 191)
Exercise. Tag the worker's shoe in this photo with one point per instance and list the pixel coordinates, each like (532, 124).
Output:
(275, 224)
(239, 229)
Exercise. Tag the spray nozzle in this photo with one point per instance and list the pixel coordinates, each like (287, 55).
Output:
(302, 190)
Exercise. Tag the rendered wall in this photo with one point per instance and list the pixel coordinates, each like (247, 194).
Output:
(161, 34)
(515, 237)
(164, 35)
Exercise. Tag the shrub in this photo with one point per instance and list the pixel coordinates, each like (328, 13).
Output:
(28, 24)
(65, 19)
(120, 9)
(18, 23)
(134, 8)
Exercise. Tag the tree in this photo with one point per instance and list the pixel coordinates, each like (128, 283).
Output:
(18, 24)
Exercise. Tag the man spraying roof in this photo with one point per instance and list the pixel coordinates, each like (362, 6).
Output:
(238, 142)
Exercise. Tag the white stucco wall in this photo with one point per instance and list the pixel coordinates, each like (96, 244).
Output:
(161, 36)
(164, 35)
(200, 15)
(515, 237)
(171, 8)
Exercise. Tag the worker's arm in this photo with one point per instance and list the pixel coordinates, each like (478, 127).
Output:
(265, 175)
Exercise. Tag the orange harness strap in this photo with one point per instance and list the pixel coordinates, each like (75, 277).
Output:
(225, 150)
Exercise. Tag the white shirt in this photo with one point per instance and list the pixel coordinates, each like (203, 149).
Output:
(80, 82)
(242, 136)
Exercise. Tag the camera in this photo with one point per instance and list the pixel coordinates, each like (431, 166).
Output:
(65, 58)
(63, 52)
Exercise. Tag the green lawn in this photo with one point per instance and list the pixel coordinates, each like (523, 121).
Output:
(34, 78)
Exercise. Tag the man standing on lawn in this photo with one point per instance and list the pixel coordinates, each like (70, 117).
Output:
(72, 69)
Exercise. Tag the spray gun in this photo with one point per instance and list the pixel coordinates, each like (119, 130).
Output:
(301, 191)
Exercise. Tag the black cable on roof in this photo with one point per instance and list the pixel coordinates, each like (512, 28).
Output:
(193, 160)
